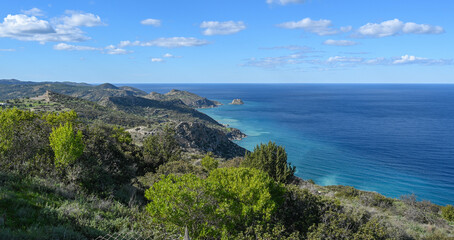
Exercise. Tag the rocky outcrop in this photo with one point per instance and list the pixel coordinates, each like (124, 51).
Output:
(235, 134)
(198, 136)
(237, 102)
(191, 99)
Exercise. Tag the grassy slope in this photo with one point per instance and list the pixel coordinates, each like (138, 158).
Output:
(37, 208)
(410, 218)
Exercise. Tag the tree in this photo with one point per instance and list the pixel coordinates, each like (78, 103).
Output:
(24, 142)
(209, 163)
(66, 144)
(159, 149)
(271, 159)
(225, 203)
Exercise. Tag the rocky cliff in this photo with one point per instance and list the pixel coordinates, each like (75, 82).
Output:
(198, 136)
(188, 98)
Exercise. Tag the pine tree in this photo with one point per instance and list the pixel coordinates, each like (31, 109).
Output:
(271, 159)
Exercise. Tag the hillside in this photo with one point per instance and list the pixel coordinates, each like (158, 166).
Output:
(171, 168)
(187, 98)
(12, 89)
(146, 115)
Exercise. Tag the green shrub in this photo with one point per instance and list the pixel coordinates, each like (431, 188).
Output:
(24, 143)
(66, 144)
(224, 204)
(209, 163)
(159, 149)
(447, 212)
(271, 159)
(107, 161)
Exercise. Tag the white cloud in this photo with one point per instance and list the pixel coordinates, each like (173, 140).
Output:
(408, 59)
(79, 19)
(64, 29)
(300, 59)
(396, 27)
(112, 50)
(68, 47)
(8, 50)
(173, 42)
(168, 55)
(157, 60)
(339, 42)
(321, 27)
(284, 2)
(343, 59)
(291, 48)
(152, 22)
(222, 28)
(33, 12)
(17, 25)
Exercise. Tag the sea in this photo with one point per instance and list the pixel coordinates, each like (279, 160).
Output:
(393, 139)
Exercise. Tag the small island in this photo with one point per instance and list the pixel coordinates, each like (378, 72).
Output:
(237, 102)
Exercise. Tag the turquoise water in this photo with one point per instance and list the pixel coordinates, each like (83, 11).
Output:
(392, 139)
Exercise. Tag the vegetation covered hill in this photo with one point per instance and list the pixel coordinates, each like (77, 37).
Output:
(12, 89)
(187, 98)
(143, 117)
(70, 170)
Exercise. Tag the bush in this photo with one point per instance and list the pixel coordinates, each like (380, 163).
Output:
(209, 163)
(177, 168)
(447, 212)
(159, 149)
(24, 143)
(300, 210)
(108, 161)
(271, 159)
(66, 144)
(224, 204)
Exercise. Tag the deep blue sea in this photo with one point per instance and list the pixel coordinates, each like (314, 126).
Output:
(392, 139)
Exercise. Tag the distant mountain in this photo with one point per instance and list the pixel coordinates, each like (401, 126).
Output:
(188, 98)
(107, 86)
(11, 89)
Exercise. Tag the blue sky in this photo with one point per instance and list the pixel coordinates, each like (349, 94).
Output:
(255, 41)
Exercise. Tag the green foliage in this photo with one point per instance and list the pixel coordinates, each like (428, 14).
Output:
(56, 119)
(24, 142)
(225, 203)
(159, 149)
(121, 135)
(354, 224)
(177, 168)
(10, 120)
(209, 163)
(373, 230)
(36, 208)
(301, 209)
(447, 212)
(67, 145)
(108, 160)
(268, 231)
(271, 159)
